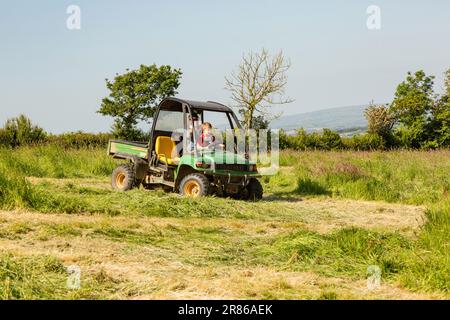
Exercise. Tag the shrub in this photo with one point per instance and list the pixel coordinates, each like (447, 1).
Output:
(327, 140)
(20, 131)
(330, 140)
(80, 140)
(4, 138)
(365, 142)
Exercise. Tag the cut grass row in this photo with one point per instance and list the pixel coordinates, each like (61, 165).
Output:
(45, 277)
(344, 253)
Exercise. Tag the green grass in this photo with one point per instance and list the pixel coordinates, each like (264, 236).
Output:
(15, 191)
(45, 277)
(408, 177)
(346, 252)
(56, 162)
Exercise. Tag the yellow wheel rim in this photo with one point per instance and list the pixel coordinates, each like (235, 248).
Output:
(192, 189)
(120, 180)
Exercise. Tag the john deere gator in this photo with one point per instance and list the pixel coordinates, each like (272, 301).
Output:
(174, 160)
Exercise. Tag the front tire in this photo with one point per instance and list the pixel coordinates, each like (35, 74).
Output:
(195, 185)
(123, 178)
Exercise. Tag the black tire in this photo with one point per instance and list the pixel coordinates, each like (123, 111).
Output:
(195, 185)
(123, 178)
(254, 190)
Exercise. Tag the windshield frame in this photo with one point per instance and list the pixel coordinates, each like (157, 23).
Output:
(233, 122)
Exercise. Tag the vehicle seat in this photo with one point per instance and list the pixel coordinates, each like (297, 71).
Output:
(164, 148)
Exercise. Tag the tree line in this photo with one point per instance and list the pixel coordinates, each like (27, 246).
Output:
(418, 117)
(20, 131)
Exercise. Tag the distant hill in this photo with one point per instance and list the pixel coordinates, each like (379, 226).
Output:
(345, 120)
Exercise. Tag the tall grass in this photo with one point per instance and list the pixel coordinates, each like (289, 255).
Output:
(47, 161)
(15, 191)
(57, 162)
(410, 177)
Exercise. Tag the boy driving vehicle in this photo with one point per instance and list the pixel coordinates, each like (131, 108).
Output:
(206, 139)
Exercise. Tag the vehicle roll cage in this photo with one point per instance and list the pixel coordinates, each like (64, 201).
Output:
(187, 107)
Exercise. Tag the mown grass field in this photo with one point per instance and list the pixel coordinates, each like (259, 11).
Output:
(325, 217)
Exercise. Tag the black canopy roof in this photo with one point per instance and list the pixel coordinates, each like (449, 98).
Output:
(208, 105)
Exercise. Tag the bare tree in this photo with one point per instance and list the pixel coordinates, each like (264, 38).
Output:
(259, 82)
(380, 119)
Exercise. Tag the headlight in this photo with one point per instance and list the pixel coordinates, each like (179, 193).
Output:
(202, 165)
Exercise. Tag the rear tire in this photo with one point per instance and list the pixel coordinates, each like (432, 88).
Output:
(254, 190)
(195, 185)
(123, 178)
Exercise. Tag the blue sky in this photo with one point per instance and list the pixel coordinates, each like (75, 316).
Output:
(56, 76)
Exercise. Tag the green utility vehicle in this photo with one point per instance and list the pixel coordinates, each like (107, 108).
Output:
(175, 159)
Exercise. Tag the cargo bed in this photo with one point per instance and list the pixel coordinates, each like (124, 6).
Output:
(121, 149)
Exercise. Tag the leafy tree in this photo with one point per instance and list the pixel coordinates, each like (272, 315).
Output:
(134, 96)
(302, 140)
(447, 85)
(20, 131)
(440, 122)
(412, 106)
(258, 83)
(330, 140)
